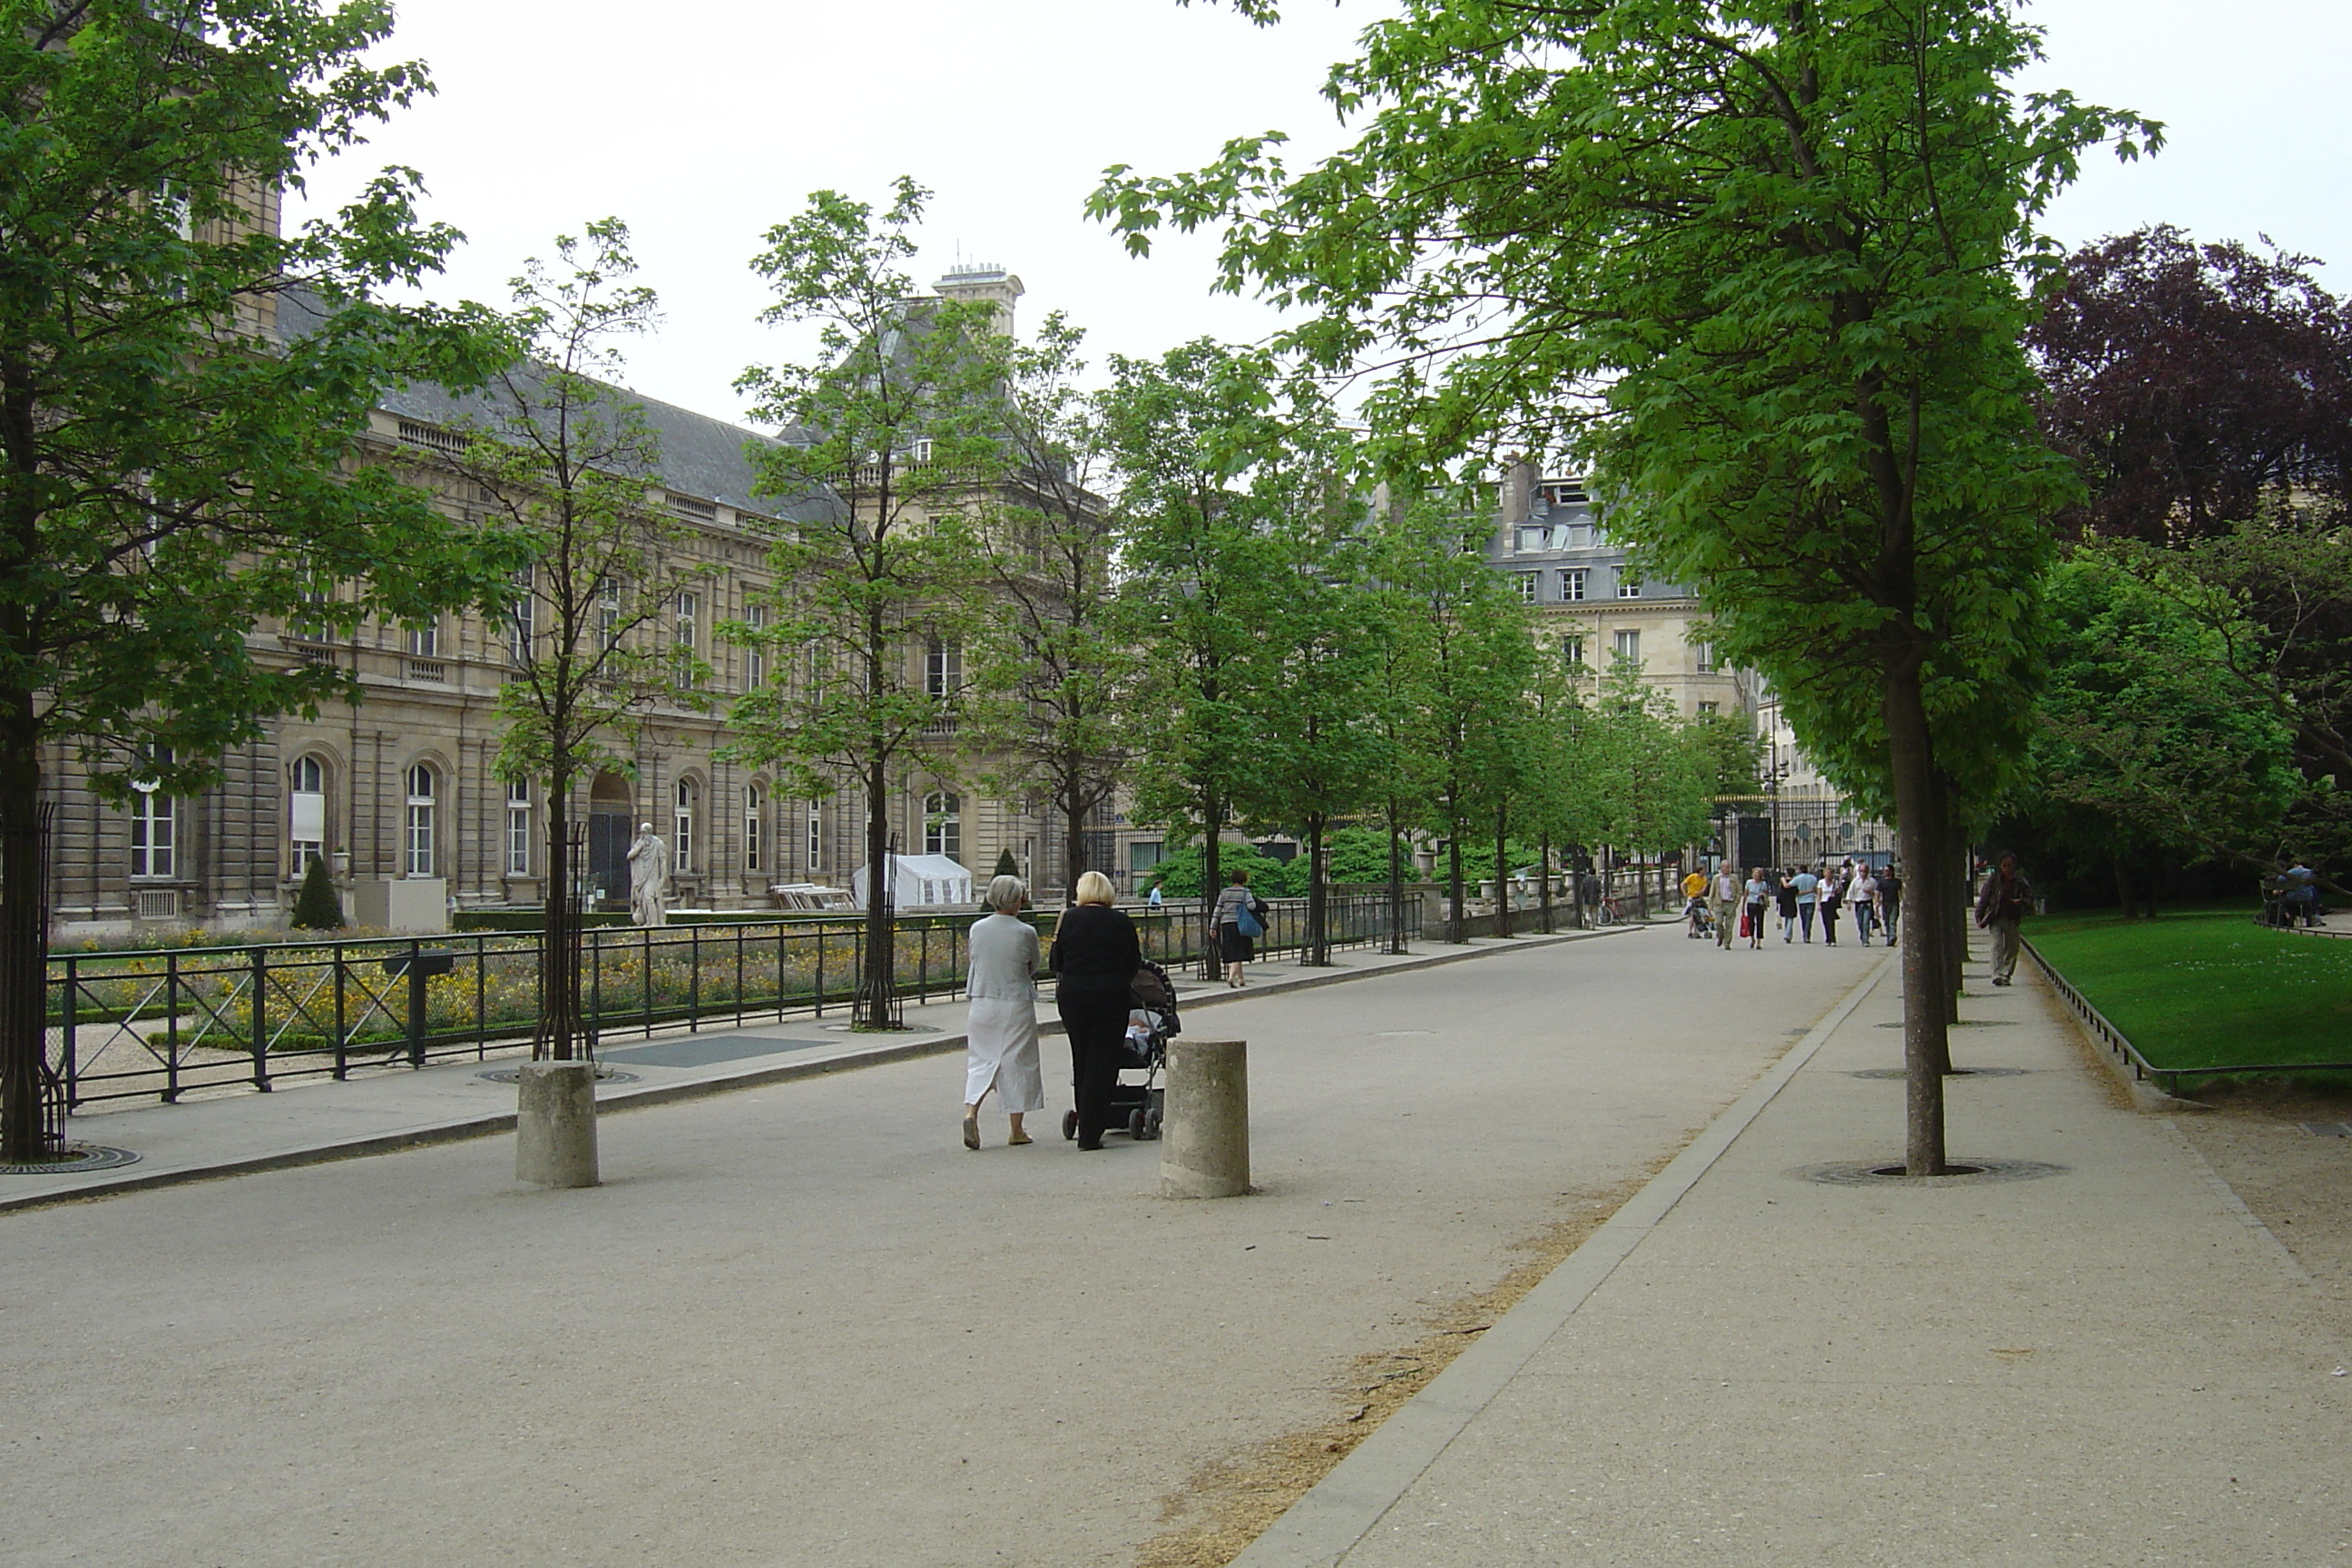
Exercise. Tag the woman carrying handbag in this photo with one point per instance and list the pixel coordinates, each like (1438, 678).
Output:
(1241, 920)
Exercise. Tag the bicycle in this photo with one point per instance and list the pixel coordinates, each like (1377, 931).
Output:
(1611, 911)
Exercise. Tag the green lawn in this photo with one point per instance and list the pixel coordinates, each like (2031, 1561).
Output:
(2208, 987)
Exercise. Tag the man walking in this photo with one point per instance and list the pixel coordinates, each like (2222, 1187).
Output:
(1726, 904)
(2003, 904)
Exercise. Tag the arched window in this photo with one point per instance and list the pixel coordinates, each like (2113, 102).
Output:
(306, 813)
(682, 826)
(754, 822)
(419, 825)
(155, 825)
(944, 824)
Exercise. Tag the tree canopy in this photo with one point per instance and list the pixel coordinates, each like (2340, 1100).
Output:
(1760, 263)
(2191, 380)
(182, 384)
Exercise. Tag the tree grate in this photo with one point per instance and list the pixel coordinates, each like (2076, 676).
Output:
(74, 1159)
(514, 1075)
(1955, 1072)
(1963, 1172)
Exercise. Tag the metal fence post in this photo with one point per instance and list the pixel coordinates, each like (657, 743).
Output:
(171, 1028)
(416, 999)
(342, 1021)
(69, 1015)
(260, 956)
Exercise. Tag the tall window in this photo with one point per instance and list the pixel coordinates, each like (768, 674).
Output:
(424, 641)
(521, 613)
(608, 613)
(1707, 659)
(310, 621)
(1571, 585)
(755, 656)
(1526, 585)
(944, 824)
(1628, 586)
(816, 837)
(155, 825)
(1571, 650)
(306, 813)
(419, 828)
(815, 676)
(682, 824)
(754, 822)
(1708, 710)
(690, 618)
(1628, 647)
(943, 669)
(517, 830)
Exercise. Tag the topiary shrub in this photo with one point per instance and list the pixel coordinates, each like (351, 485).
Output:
(317, 907)
(1006, 865)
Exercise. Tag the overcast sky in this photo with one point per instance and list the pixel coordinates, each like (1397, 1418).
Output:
(702, 133)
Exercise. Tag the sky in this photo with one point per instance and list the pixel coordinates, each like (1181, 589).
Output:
(702, 134)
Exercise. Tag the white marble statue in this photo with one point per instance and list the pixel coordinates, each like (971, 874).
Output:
(648, 878)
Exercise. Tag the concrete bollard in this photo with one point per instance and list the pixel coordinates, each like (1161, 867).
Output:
(1204, 1138)
(555, 1124)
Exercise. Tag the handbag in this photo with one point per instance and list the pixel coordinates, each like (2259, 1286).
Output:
(1743, 923)
(1246, 921)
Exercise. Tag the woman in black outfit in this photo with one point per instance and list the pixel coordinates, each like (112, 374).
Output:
(1094, 962)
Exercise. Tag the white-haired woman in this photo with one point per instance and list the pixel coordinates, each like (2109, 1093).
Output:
(1000, 1034)
(1095, 958)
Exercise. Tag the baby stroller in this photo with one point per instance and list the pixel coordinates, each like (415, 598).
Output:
(1153, 997)
(1701, 918)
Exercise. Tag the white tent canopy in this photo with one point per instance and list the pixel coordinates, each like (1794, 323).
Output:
(919, 881)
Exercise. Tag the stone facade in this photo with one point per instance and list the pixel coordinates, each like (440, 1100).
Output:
(1551, 541)
(399, 784)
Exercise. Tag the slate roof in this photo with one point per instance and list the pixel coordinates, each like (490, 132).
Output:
(700, 455)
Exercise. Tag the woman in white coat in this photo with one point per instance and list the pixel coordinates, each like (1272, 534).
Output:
(1001, 1038)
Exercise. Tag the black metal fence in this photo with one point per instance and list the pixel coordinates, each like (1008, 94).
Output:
(162, 1023)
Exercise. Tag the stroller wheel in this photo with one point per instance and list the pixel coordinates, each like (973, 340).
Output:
(1070, 1124)
(1135, 1124)
(1151, 1122)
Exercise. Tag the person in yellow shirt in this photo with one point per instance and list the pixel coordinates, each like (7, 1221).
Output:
(1693, 899)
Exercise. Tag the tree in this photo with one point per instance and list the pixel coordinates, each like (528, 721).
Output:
(2150, 751)
(896, 441)
(1055, 648)
(1325, 752)
(173, 451)
(317, 905)
(2191, 380)
(1187, 433)
(565, 458)
(1776, 247)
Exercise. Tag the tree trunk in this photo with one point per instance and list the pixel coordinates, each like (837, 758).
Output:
(559, 958)
(23, 936)
(1074, 834)
(1212, 827)
(1396, 880)
(1317, 943)
(1543, 884)
(1454, 878)
(1502, 870)
(1920, 837)
(2123, 884)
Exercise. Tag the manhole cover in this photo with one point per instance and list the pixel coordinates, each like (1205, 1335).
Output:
(1963, 1172)
(79, 1157)
(1964, 1024)
(514, 1075)
(1955, 1072)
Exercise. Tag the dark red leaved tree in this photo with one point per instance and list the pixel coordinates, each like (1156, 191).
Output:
(2191, 379)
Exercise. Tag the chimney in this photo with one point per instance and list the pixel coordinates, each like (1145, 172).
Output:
(1518, 498)
(983, 280)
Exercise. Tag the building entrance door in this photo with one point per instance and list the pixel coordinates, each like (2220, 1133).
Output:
(610, 832)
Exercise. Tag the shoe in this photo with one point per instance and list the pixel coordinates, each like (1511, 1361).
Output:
(1017, 1140)
(971, 1131)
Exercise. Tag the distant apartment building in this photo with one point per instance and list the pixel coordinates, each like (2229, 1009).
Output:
(1551, 542)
